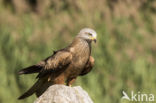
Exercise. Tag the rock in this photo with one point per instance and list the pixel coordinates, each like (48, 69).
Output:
(64, 94)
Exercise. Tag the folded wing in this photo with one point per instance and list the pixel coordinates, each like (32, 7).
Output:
(57, 62)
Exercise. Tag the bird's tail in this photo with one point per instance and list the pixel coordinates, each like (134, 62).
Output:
(30, 70)
(32, 90)
(38, 88)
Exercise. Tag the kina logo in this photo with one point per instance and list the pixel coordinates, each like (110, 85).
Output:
(140, 97)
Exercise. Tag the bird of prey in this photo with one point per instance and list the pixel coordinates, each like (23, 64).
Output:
(64, 65)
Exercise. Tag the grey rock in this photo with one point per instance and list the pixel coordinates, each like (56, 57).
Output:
(64, 94)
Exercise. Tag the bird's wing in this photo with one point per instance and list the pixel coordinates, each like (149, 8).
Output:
(88, 66)
(56, 62)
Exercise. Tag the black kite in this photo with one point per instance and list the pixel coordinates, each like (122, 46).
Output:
(64, 65)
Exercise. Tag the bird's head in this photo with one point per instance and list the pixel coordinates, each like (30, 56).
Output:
(87, 34)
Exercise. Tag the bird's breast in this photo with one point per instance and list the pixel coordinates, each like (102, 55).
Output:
(76, 66)
(80, 50)
(78, 63)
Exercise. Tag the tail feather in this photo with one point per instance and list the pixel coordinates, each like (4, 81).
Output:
(31, 90)
(30, 70)
(38, 88)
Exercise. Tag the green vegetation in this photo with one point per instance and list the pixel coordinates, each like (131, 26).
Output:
(125, 53)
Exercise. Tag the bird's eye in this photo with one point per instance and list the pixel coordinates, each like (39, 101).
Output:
(89, 34)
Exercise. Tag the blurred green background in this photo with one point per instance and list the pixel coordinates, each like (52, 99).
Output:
(125, 53)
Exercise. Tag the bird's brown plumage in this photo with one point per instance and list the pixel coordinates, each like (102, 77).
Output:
(62, 67)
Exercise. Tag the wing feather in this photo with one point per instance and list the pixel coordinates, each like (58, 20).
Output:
(56, 62)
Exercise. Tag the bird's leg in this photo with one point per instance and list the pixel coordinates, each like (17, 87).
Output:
(59, 80)
(70, 81)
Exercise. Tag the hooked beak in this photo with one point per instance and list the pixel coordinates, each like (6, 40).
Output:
(93, 39)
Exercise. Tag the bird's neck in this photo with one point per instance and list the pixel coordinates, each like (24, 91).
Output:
(80, 45)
